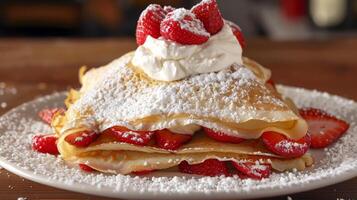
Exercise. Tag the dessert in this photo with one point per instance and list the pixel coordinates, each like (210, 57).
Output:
(186, 100)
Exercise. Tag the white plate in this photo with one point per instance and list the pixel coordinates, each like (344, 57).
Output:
(332, 165)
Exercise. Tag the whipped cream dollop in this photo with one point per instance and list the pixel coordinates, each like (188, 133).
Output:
(166, 60)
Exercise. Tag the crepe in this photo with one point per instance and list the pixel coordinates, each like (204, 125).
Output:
(236, 101)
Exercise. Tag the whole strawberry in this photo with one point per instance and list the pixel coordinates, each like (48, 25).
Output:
(208, 12)
(183, 27)
(149, 23)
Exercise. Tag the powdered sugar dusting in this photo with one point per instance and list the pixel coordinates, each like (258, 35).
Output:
(289, 146)
(336, 163)
(193, 25)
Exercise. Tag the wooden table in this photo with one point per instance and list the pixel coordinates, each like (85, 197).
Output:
(35, 67)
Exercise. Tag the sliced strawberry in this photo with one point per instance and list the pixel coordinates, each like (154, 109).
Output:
(208, 12)
(253, 169)
(149, 23)
(45, 144)
(166, 139)
(82, 138)
(222, 137)
(284, 146)
(271, 82)
(237, 31)
(86, 168)
(142, 173)
(323, 127)
(123, 134)
(210, 167)
(183, 27)
(47, 114)
(168, 9)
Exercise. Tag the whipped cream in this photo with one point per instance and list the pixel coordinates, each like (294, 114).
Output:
(166, 60)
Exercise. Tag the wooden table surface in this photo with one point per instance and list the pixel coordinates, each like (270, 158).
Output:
(33, 67)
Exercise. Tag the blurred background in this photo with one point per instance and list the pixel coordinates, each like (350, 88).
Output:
(275, 19)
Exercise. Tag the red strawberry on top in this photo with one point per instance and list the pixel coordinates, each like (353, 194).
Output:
(253, 169)
(149, 23)
(208, 12)
(45, 144)
(222, 137)
(82, 138)
(237, 31)
(284, 146)
(166, 139)
(168, 9)
(47, 114)
(210, 167)
(183, 27)
(323, 127)
(123, 134)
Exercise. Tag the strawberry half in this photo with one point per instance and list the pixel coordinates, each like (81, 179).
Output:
(166, 139)
(253, 170)
(142, 173)
(47, 114)
(222, 137)
(86, 168)
(284, 146)
(81, 139)
(210, 167)
(323, 127)
(208, 12)
(123, 134)
(237, 31)
(45, 144)
(149, 23)
(183, 27)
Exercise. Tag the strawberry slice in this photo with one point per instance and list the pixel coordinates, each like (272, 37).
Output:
(237, 31)
(166, 139)
(183, 27)
(86, 168)
(323, 127)
(253, 170)
(210, 167)
(47, 114)
(208, 12)
(123, 134)
(81, 139)
(149, 23)
(45, 144)
(222, 137)
(284, 146)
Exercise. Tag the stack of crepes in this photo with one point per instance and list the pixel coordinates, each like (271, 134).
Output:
(186, 95)
(237, 100)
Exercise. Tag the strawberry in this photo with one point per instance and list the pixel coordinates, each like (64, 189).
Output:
(237, 31)
(210, 167)
(222, 137)
(86, 168)
(149, 23)
(47, 114)
(123, 134)
(271, 82)
(45, 144)
(165, 139)
(168, 9)
(284, 146)
(82, 138)
(323, 127)
(208, 12)
(253, 169)
(142, 173)
(183, 27)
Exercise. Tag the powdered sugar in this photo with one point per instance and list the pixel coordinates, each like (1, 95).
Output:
(289, 146)
(333, 164)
